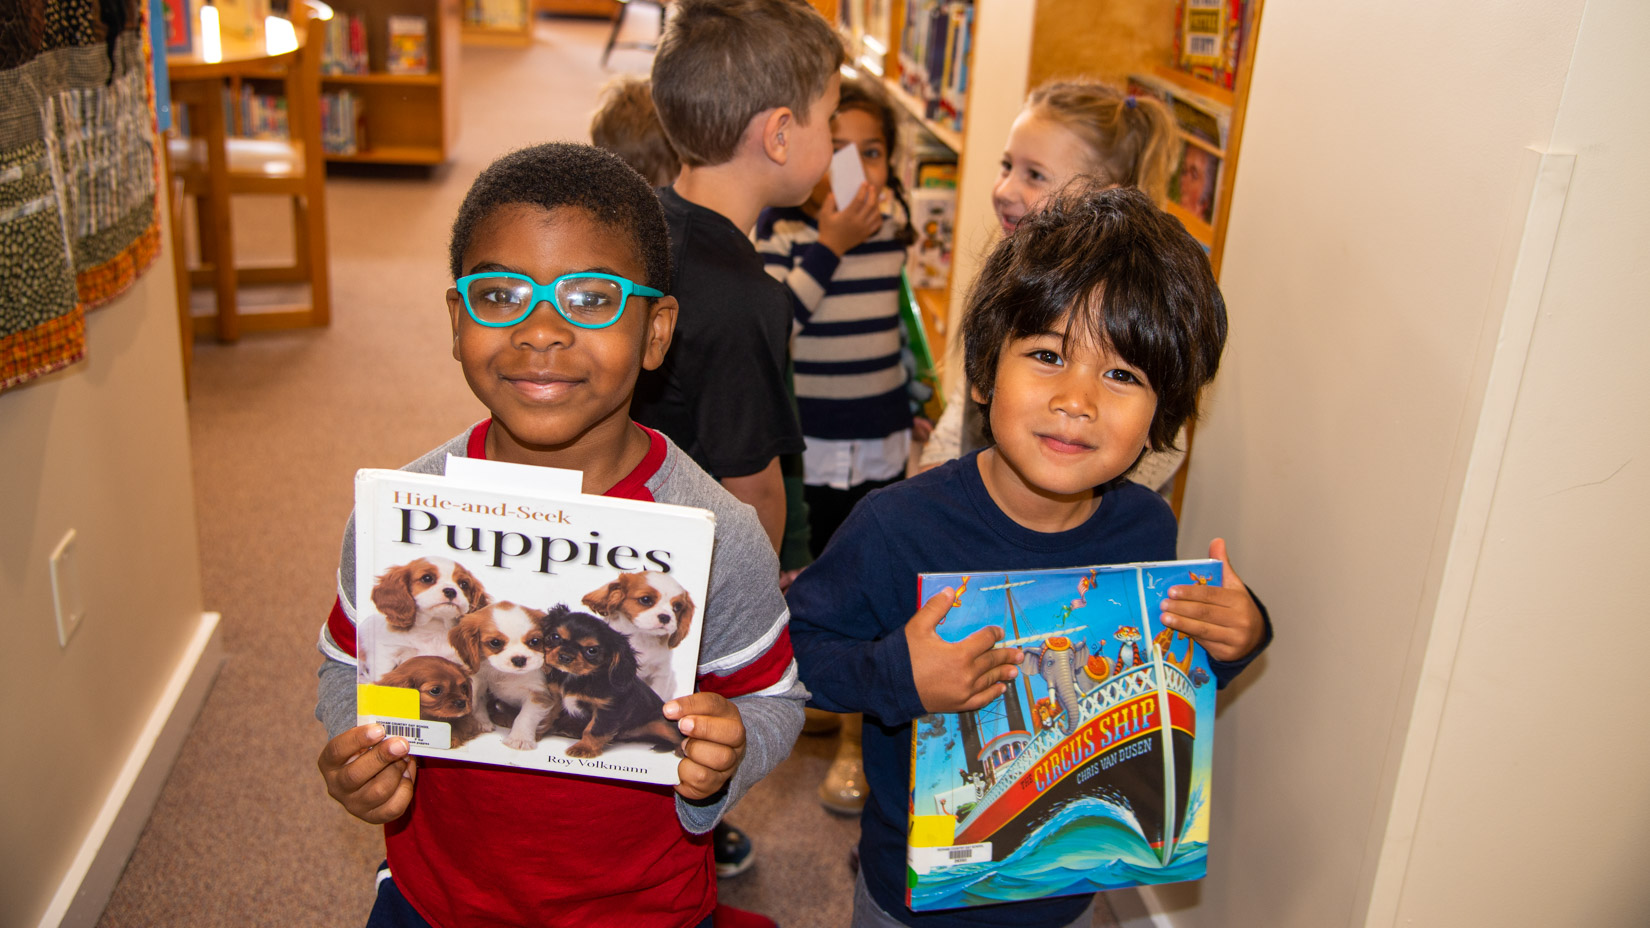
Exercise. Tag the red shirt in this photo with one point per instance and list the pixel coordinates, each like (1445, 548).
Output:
(484, 845)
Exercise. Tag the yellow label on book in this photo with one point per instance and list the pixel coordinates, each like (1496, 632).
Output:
(933, 831)
(397, 702)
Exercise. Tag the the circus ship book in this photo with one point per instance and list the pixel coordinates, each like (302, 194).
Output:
(504, 617)
(1092, 772)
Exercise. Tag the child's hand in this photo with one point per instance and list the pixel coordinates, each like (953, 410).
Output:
(370, 775)
(1224, 619)
(840, 230)
(921, 428)
(715, 742)
(956, 677)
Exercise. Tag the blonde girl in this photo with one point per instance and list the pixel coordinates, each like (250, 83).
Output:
(1069, 128)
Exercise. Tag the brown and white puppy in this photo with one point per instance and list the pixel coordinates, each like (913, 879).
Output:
(443, 694)
(592, 671)
(655, 613)
(421, 601)
(503, 646)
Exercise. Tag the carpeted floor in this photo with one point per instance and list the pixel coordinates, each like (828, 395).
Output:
(244, 833)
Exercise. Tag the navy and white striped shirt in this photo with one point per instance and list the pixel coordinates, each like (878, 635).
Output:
(850, 384)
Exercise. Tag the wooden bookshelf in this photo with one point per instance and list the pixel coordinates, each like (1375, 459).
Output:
(498, 22)
(406, 118)
(1016, 46)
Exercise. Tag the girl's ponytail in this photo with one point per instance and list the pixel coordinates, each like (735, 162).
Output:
(1131, 139)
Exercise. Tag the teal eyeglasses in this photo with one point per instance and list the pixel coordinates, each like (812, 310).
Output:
(588, 300)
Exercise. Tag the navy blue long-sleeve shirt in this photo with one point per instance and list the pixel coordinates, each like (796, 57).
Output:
(848, 614)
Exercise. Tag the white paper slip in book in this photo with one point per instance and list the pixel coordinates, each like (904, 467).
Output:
(847, 174)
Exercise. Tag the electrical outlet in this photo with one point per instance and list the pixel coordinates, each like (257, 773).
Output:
(66, 588)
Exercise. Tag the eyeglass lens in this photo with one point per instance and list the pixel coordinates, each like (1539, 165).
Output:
(585, 301)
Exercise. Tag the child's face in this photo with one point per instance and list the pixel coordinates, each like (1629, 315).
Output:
(1067, 417)
(1041, 155)
(863, 131)
(808, 145)
(550, 384)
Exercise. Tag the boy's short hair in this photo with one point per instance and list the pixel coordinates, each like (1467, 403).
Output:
(721, 62)
(627, 125)
(558, 174)
(1131, 276)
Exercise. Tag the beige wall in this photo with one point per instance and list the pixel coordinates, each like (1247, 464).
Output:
(1383, 199)
(101, 448)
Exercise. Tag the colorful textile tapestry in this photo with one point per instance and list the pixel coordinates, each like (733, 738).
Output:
(78, 217)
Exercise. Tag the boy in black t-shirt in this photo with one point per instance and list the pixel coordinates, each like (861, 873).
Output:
(745, 90)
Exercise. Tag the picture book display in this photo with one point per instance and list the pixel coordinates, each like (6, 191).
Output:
(408, 48)
(504, 617)
(1092, 771)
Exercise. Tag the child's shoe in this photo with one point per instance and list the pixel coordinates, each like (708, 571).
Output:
(843, 790)
(732, 849)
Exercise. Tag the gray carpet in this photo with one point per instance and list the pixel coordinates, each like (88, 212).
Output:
(244, 833)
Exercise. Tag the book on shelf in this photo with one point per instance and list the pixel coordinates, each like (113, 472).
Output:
(1092, 772)
(507, 618)
(343, 123)
(1209, 37)
(344, 45)
(408, 48)
(928, 169)
(935, 43)
(1197, 115)
(261, 115)
(1195, 183)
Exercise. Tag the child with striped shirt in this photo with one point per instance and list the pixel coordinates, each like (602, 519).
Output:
(841, 258)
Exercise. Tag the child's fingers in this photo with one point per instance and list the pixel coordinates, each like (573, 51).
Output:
(714, 728)
(983, 698)
(347, 745)
(711, 755)
(700, 703)
(697, 781)
(984, 641)
(354, 774)
(990, 676)
(928, 617)
(1228, 576)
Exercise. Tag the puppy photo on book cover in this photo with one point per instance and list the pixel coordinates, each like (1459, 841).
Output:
(507, 630)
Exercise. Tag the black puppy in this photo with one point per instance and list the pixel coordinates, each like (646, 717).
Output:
(593, 678)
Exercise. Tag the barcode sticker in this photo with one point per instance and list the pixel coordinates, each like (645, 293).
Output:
(420, 733)
(1203, 46)
(924, 860)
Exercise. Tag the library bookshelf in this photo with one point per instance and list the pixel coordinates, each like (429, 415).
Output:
(1014, 46)
(409, 119)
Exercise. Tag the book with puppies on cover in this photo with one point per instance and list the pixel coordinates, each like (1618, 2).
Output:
(1092, 771)
(504, 617)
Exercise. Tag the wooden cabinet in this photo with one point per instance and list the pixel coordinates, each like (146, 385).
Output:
(405, 118)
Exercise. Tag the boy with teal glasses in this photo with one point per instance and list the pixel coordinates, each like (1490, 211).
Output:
(560, 256)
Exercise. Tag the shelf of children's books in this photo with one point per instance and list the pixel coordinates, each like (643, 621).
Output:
(949, 137)
(392, 154)
(1201, 230)
(380, 77)
(1195, 85)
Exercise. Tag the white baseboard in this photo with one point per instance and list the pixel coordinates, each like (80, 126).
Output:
(85, 889)
(1138, 908)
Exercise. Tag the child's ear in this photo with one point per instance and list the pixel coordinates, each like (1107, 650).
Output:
(775, 123)
(977, 395)
(455, 311)
(661, 325)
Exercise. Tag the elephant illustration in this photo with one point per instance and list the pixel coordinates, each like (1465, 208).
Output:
(1058, 662)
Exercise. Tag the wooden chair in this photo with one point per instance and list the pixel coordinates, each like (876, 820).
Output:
(618, 23)
(215, 164)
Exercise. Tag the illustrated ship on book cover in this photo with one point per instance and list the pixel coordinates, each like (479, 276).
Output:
(1090, 772)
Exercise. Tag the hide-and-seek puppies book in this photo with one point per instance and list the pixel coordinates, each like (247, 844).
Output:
(504, 617)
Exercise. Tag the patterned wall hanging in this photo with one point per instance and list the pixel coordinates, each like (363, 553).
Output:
(78, 216)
